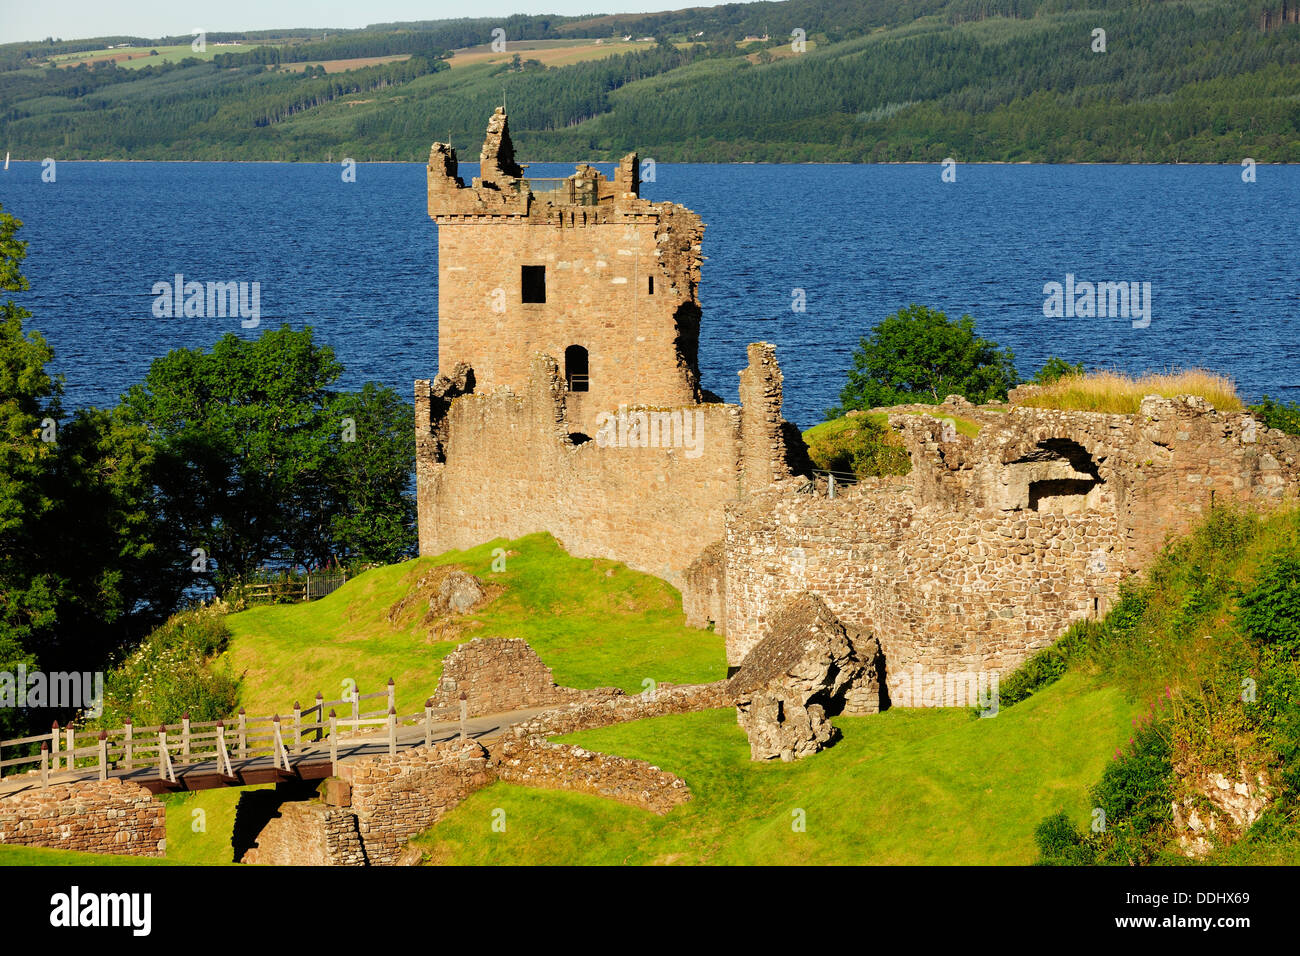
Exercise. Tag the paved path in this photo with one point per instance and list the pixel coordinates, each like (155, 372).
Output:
(311, 762)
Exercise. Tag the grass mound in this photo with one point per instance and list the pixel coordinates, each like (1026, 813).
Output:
(595, 622)
(1118, 393)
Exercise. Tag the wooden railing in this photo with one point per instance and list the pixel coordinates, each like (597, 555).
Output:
(127, 749)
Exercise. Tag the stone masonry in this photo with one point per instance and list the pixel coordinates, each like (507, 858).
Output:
(808, 669)
(110, 816)
(568, 398)
(993, 545)
(499, 675)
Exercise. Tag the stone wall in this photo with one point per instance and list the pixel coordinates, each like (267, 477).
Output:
(511, 469)
(111, 816)
(537, 763)
(996, 543)
(394, 797)
(665, 699)
(499, 675)
(704, 589)
(306, 833)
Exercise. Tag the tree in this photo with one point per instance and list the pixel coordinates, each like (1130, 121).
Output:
(255, 463)
(920, 355)
(1055, 369)
(29, 399)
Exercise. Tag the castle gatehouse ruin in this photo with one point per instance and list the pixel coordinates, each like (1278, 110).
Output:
(569, 313)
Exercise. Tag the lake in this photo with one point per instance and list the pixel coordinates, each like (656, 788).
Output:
(357, 261)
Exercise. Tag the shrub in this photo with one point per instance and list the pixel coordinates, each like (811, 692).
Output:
(1285, 417)
(1061, 844)
(1269, 613)
(172, 673)
(1056, 368)
(862, 444)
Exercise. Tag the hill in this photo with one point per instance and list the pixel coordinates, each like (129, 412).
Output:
(794, 81)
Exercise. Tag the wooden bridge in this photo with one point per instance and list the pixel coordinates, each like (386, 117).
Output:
(306, 745)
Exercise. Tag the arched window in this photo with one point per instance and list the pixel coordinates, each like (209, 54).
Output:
(575, 368)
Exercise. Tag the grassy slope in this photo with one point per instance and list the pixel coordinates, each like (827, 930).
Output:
(907, 786)
(594, 621)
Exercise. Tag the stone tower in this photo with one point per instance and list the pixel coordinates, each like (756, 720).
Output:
(582, 269)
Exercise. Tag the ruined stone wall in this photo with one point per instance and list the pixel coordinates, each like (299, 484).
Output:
(499, 675)
(307, 833)
(111, 816)
(598, 296)
(511, 469)
(704, 590)
(394, 797)
(954, 592)
(537, 763)
(997, 543)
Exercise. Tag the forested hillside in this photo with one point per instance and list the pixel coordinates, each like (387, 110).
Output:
(878, 80)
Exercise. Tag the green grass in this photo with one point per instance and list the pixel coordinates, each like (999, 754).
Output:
(595, 622)
(903, 787)
(203, 838)
(37, 856)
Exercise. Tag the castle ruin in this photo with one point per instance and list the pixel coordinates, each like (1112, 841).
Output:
(568, 400)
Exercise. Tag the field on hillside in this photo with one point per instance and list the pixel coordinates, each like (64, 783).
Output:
(903, 787)
(595, 622)
(547, 52)
(138, 56)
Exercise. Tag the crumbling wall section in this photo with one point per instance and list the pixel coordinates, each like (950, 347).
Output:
(512, 469)
(499, 675)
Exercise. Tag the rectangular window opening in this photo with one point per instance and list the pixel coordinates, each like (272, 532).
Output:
(534, 283)
(652, 285)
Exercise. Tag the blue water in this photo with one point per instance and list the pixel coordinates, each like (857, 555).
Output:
(358, 262)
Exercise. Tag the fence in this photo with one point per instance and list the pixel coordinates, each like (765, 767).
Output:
(310, 588)
(127, 749)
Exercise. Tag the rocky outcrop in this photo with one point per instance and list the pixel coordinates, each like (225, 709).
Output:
(803, 673)
(1219, 810)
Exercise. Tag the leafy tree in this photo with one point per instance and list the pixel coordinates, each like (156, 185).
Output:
(1054, 369)
(254, 464)
(29, 397)
(920, 355)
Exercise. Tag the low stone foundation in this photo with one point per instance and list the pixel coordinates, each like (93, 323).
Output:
(665, 699)
(109, 816)
(549, 766)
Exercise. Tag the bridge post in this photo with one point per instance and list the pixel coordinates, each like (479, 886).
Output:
(320, 715)
(162, 752)
(428, 722)
(277, 742)
(392, 730)
(128, 748)
(243, 735)
(54, 744)
(297, 726)
(356, 705)
(45, 762)
(392, 696)
(70, 738)
(334, 744)
(185, 738)
(464, 708)
(103, 755)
